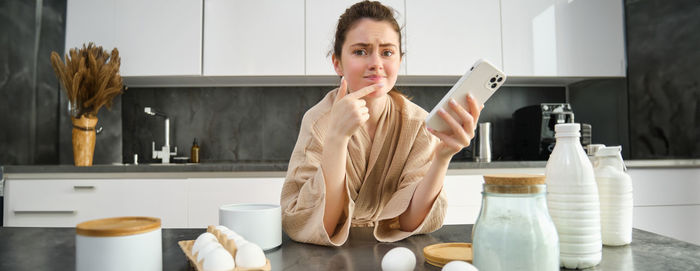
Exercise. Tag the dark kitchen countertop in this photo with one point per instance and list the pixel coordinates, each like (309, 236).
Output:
(54, 249)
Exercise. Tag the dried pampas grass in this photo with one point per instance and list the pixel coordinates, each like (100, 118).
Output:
(90, 77)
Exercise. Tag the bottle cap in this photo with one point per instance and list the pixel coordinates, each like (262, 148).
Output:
(567, 129)
(609, 151)
(593, 148)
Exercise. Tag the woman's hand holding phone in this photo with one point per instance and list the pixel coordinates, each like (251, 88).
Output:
(461, 131)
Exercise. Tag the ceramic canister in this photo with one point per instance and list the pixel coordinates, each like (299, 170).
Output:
(257, 223)
(119, 243)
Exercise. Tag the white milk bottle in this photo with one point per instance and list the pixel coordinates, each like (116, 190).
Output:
(572, 200)
(615, 192)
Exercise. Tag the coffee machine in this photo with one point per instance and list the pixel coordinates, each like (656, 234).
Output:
(534, 126)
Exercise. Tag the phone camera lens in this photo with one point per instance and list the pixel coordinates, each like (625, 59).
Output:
(500, 79)
(493, 79)
(493, 85)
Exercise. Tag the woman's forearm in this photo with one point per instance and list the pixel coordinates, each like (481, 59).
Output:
(333, 163)
(427, 191)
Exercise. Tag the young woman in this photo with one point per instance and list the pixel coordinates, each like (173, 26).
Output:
(364, 157)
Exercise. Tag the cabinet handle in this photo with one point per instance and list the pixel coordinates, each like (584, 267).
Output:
(78, 187)
(44, 211)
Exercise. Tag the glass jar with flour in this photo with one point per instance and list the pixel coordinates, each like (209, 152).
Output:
(514, 230)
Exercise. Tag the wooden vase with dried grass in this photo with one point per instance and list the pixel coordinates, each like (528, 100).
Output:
(90, 77)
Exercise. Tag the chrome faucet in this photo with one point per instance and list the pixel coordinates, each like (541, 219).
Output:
(163, 154)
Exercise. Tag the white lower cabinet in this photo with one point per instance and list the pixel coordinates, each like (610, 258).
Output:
(667, 202)
(463, 198)
(680, 222)
(65, 203)
(207, 195)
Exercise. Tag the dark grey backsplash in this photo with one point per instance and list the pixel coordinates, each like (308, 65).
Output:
(250, 124)
(603, 104)
(231, 124)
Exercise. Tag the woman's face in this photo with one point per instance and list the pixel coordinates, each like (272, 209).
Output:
(370, 55)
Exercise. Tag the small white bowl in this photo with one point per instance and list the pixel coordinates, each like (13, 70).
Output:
(257, 223)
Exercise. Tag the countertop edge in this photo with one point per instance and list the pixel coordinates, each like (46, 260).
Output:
(277, 169)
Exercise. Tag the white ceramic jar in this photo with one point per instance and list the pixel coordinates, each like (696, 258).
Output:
(119, 243)
(257, 223)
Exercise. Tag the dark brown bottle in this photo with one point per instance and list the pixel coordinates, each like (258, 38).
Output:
(194, 154)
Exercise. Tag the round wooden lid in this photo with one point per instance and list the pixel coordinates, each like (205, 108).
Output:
(118, 226)
(443, 253)
(514, 179)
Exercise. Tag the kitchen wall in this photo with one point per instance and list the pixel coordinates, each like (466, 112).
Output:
(664, 87)
(654, 112)
(249, 124)
(29, 31)
(35, 127)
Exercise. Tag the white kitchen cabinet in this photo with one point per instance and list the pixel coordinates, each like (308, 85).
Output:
(667, 202)
(563, 38)
(321, 22)
(680, 222)
(90, 21)
(463, 198)
(253, 37)
(447, 37)
(206, 195)
(157, 37)
(67, 202)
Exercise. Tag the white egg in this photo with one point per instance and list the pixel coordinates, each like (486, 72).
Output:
(240, 242)
(206, 249)
(202, 239)
(399, 259)
(250, 255)
(235, 237)
(459, 266)
(222, 228)
(218, 260)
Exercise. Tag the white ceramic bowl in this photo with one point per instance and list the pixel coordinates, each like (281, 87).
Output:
(257, 223)
(120, 243)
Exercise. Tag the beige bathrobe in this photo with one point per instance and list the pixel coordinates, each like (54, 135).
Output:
(381, 176)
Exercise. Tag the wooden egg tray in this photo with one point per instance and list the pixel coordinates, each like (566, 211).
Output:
(229, 245)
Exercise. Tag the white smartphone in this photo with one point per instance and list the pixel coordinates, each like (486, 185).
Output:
(481, 81)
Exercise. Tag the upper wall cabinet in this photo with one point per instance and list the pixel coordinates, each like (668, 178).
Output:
(263, 37)
(447, 37)
(85, 24)
(321, 22)
(155, 37)
(578, 38)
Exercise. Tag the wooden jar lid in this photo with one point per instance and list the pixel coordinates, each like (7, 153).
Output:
(118, 226)
(443, 253)
(514, 179)
(514, 183)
